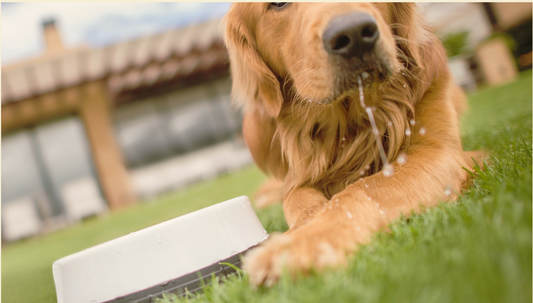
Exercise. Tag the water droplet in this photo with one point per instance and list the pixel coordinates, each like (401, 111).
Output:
(402, 158)
(381, 212)
(159, 239)
(447, 192)
(366, 185)
(349, 214)
(364, 75)
(329, 207)
(422, 130)
(358, 228)
(412, 122)
(361, 173)
(403, 74)
(377, 204)
(379, 144)
(164, 284)
(407, 132)
(343, 139)
(389, 123)
(367, 167)
(336, 200)
(404, 85)
(388, 170)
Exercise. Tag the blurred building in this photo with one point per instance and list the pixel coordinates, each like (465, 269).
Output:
(86, 130)
(498, 39)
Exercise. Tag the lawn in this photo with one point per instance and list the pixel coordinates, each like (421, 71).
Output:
(28, 264)
(477, 249)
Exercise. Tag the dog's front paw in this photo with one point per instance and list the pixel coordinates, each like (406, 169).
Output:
(294, 252)
(265, 263)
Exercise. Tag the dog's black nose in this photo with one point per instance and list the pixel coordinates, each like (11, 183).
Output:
(351, 34)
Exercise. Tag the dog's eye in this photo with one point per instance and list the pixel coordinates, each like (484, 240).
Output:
(278, 4)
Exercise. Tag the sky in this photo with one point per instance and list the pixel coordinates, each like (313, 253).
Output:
(94, 23)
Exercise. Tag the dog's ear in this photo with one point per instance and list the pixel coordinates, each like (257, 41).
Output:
(407, 26)
(254, 85)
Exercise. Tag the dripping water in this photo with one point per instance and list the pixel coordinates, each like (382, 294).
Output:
(388, 170)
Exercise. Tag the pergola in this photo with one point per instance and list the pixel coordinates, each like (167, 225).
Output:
(89, 82)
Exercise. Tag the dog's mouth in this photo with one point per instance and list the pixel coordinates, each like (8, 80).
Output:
(345, 82)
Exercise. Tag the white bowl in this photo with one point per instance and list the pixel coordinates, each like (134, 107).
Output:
(160, 258)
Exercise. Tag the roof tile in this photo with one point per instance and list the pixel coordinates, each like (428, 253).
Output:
(178, 51)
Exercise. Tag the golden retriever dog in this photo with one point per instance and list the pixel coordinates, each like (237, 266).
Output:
(352, 107)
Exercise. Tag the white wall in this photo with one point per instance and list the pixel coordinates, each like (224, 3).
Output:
(453, 17)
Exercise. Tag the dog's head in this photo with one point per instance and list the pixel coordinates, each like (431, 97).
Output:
(316, 51)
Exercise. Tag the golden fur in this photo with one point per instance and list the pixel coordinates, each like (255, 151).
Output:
(302, 129)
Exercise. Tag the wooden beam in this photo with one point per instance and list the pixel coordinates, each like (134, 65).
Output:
(32, 111)
(95, 111)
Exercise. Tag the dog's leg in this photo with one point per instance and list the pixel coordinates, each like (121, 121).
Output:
(270, 192)
(471, 158)
(302, 204)
(351, 216)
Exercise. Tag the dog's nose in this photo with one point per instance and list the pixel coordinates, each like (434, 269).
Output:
(351, 34)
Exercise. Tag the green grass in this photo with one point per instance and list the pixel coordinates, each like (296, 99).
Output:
(477, 249)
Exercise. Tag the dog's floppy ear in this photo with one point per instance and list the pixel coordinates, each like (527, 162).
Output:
(408, 27)
(254, 85)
